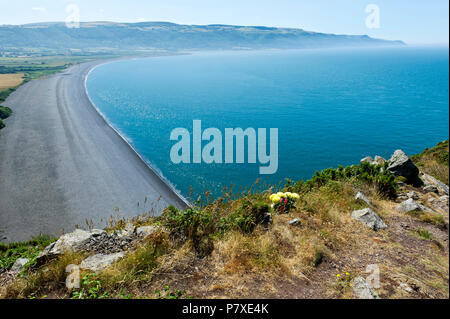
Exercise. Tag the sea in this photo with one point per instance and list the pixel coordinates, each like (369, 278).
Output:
(331, 107)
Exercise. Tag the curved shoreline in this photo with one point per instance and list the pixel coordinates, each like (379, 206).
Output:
(62, 164)
(155, 171)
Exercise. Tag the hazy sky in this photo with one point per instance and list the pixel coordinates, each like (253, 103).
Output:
(413, 21)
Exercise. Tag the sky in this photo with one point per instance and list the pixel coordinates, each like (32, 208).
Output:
(413, 21)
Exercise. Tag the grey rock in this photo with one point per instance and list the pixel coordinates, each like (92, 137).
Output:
(69, 242)
(362, 290)
(401, 165)
(430, 180)
(369, 218)
(145, 231)
(97, 232)
(367, 159)
(100, 262)
(361, 196)
(19, 264)
(295, 222)
(128, 231)
(431, 189)
(379, 160)
(411, 205)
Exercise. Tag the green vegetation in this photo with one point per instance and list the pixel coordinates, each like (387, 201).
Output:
(90, 288)
(435, 161)
(9, 253)
(5, 112)
(364, 173)
(5, 93)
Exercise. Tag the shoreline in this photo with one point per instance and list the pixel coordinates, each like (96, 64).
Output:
(63, 165)
(155, 170)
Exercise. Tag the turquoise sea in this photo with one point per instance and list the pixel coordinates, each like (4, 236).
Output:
(331, 107)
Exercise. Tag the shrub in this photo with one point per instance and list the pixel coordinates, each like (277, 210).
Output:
(5, 112)
(191, 224)
(2, 124)
(376, 175)
(246, 218)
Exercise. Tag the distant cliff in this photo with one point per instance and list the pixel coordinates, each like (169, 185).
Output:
(108, 36)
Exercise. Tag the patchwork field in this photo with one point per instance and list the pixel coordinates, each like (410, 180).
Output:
(10, 80)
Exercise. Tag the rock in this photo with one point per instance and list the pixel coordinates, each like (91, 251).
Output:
(412, 195)
(128, 231)
(362, 290)
(406, 287)
(401, 165)
(379, 160)
(145, 231)
(430, 180)
(411, 205)
(68, 242)
(97, 232)
(362, 197)
(295, 222)
(369, 218)
(367, 159)
(19, 264)
(99, 262)
(431, 189)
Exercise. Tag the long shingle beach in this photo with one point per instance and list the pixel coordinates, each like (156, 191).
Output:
(62, 164)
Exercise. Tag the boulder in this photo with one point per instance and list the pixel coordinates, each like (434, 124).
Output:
(69, 242)
(430, 180)
(401, 165)
(361, 196)
(411, 205)
(19, 264)
(369, 218)
(295, 222)
(362, 289)
(100, 262)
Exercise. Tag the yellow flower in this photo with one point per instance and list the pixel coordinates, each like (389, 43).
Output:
(347, 274)
(281, 194)
(295, 195)
(275, 199)
(338, 275)
(351, 285)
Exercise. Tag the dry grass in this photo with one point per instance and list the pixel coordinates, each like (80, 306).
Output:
(10, 80)
(281, 261)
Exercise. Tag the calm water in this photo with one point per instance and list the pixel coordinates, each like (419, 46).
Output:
(331, 107)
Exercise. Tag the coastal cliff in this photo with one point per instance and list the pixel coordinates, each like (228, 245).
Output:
(384, 216)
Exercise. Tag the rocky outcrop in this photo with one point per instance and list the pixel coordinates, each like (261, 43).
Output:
(99, 262)
(69, 242)
(369, 218)
(362, 289)
(431, 181)
(411, 205)
(401, 165)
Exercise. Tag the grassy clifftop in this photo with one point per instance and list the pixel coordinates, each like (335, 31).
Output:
(246, 248)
